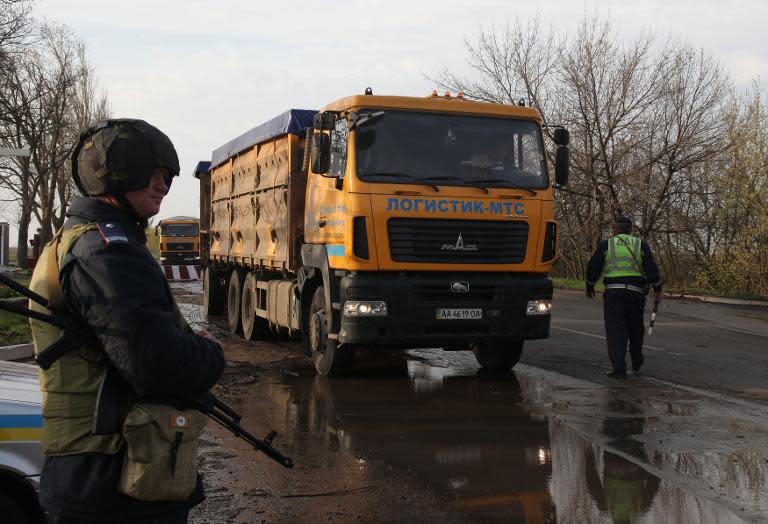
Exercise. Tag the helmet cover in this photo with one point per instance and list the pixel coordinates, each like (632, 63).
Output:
(120, 155)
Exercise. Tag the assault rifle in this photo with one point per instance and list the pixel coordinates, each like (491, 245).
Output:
(75, 333)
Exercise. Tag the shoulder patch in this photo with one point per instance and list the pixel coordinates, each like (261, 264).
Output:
(112, 233)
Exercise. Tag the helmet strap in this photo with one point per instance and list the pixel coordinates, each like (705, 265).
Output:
(126, 205)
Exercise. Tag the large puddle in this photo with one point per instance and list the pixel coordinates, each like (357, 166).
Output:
(486, 445)
(523, 447)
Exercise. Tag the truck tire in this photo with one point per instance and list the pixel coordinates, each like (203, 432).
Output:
(498, 356)
(329, 359)
(254, 328)
(214, 293)
(234, 298)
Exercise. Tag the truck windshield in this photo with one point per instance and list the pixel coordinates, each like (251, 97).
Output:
(452, 150)
(179, 230)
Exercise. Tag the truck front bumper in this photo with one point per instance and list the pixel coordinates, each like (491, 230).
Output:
(415, 301)
(178, 258)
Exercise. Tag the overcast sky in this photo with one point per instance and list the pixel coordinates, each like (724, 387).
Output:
(205, 72)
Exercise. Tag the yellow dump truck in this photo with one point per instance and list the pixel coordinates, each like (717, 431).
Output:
(179, 240)
(385, 222)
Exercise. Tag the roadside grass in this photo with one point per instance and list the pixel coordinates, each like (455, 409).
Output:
(569, 283)
(14, 329)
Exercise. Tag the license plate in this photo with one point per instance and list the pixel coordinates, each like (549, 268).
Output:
(459, 313)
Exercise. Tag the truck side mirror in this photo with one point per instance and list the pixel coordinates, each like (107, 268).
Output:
(562, 157)
(324, 121)
(321, 153)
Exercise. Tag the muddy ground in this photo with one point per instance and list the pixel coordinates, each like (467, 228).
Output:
(426, 436)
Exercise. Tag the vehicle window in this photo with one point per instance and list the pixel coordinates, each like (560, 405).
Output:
(452, 149)
(339, 137)
(179, 230)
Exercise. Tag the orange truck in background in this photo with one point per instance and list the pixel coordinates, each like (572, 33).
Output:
(386, 222)
(179, 240)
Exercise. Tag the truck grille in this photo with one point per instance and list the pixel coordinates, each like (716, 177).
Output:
(179, 246)
(457, 241)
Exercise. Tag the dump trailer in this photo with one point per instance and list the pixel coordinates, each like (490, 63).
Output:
(385, 222)
(179, 240)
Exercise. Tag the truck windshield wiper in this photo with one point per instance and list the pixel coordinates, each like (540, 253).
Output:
(404, 176)
(463, 180)
(507, 183)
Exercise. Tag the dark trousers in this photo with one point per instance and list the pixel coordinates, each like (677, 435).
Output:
(623, 312)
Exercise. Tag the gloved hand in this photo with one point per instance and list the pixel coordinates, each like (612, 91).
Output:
(590, 292)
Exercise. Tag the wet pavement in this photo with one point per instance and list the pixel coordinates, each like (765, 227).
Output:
(426, 436)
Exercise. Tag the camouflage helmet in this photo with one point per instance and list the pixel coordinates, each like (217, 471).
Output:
(116, 156)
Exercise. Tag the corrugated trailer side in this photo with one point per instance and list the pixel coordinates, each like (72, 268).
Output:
(257, 205)
(257, 192)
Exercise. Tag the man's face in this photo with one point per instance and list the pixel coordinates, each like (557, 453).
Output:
(146, 202)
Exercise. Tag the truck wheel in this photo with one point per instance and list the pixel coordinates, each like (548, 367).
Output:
(254, 328)
(329, 359)
(213, 293)
(234, 298)
(498, 356)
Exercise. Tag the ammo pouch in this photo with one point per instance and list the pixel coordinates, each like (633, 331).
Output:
(161, 458)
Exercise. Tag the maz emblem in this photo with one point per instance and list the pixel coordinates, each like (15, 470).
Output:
(460, 287)
(459, 246)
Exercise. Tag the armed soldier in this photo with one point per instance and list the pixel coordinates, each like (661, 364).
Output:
(113, 454)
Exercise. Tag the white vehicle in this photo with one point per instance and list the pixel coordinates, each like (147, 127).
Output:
(21, 458)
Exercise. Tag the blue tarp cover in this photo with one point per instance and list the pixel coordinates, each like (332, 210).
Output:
(202, 167)
(293, 121)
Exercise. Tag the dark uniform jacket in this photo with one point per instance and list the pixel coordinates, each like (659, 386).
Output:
(597, 263)
(120, 291)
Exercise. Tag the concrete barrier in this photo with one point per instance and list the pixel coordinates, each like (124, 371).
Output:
(181, 272)
(17, 352)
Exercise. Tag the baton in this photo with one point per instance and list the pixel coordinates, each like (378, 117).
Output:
(653, 315)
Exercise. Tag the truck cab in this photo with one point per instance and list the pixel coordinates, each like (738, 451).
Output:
(436, 218)
(179, 240)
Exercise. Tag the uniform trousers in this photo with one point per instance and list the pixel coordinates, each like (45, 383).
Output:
(623, 312)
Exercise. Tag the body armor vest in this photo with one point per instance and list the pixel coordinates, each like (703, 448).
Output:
(624, 257)
(70, 387)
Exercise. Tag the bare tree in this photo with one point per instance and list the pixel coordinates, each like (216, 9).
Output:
(15, 25)
(644, 118)
(48, 97)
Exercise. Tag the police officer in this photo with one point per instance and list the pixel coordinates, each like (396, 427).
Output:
(628, 267)
(100, 269)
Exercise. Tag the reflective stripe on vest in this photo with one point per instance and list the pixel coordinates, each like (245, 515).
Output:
(72, 383)
(623, 258)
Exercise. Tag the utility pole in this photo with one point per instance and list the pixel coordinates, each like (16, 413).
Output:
(5, 228)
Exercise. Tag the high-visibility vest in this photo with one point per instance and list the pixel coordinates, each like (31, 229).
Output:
(624, 257)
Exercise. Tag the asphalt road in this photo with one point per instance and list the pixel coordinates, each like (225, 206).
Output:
(709, 346)
(425, 436)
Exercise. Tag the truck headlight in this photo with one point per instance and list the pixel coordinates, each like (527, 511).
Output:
(538, 307)
(367, 308)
